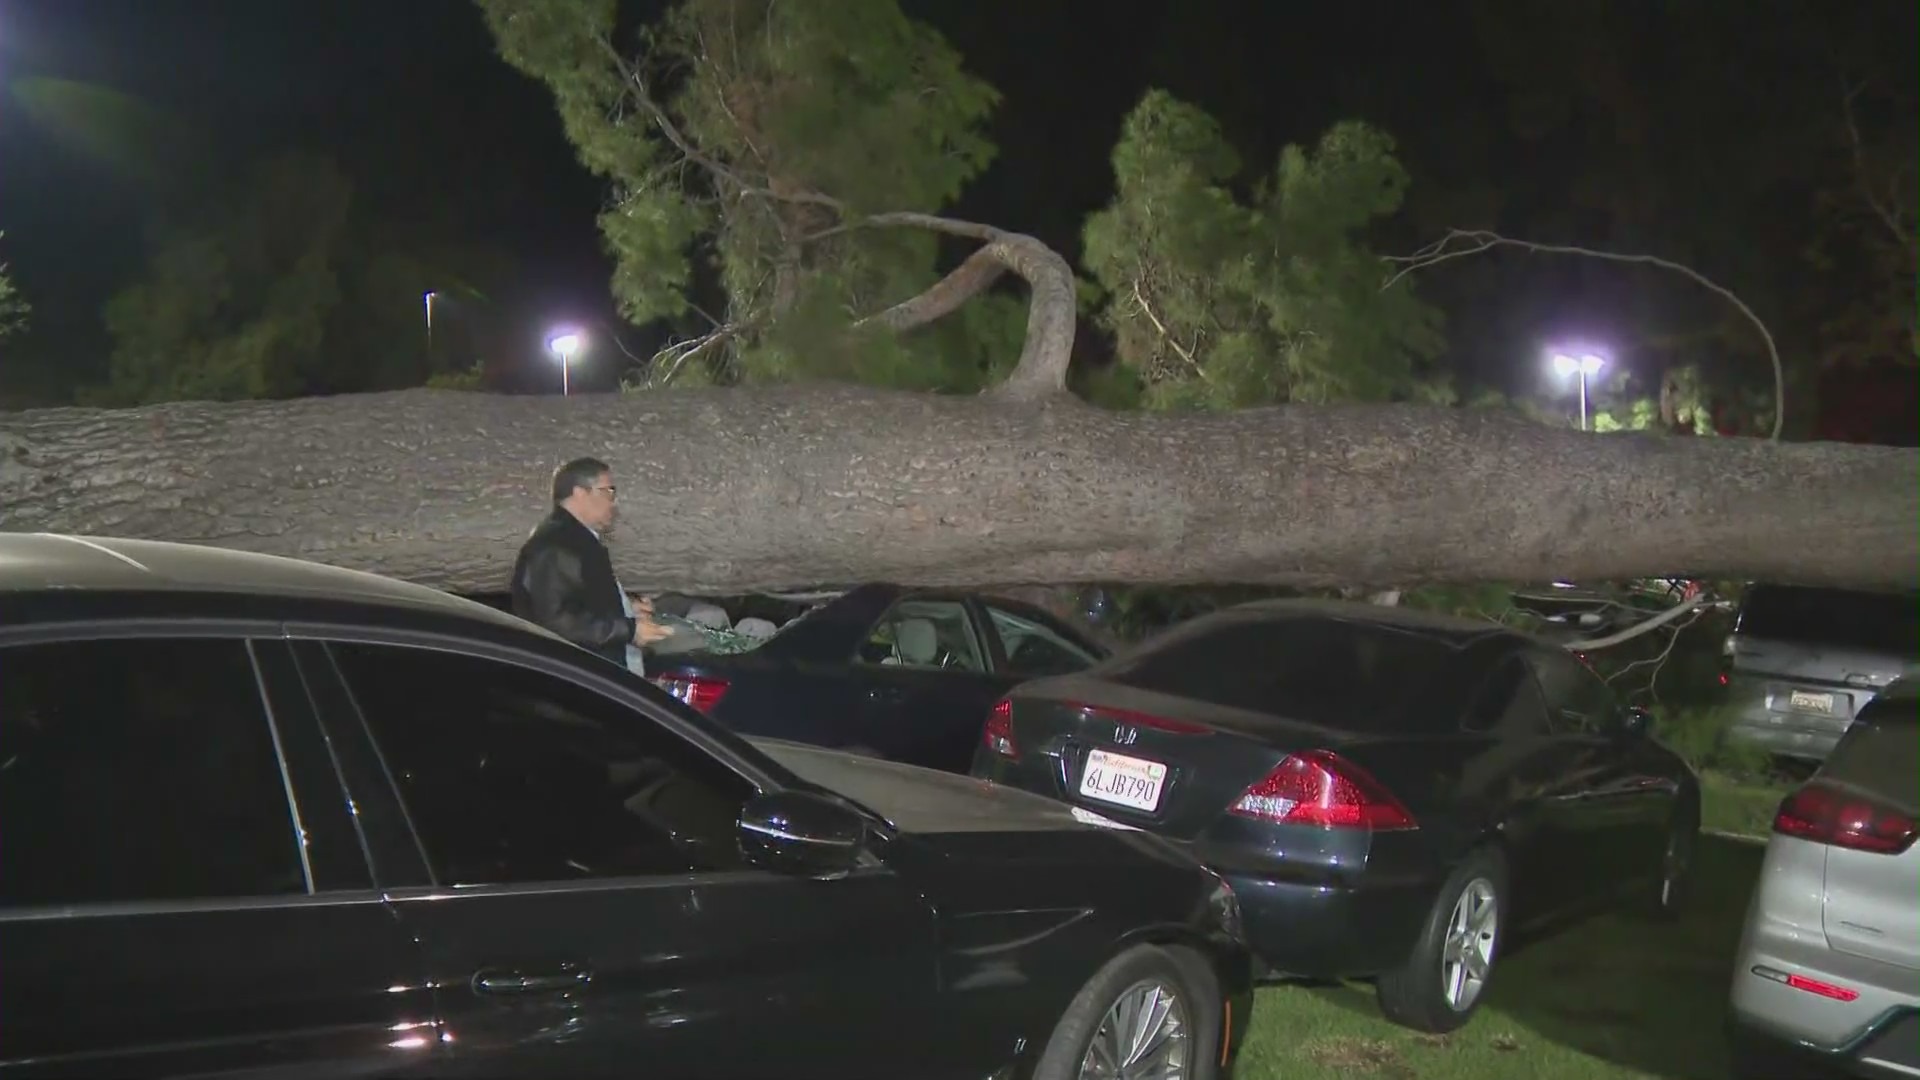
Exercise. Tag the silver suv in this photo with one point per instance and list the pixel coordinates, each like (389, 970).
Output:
(1828, 973)
(1802, 662)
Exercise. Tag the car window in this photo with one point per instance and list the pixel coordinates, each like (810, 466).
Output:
(1509, 703)
(1336, 673)
(926, 634)
(1032, 650)
(513, 775)
(140, 769)
(1886, 623)
(1578, 700)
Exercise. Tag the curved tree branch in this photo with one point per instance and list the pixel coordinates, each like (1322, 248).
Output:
(1475, 241)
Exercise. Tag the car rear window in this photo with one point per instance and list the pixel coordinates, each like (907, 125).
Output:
(1331, 672)
(1878, 622)
(1881, 754)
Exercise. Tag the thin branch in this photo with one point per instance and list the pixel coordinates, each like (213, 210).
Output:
(1477, 241)
(1863, 176)
(1185, 353)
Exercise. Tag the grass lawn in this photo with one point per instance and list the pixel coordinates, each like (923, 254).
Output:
(1739, 806)
(1615, 997)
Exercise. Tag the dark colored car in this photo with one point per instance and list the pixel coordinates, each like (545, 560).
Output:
(271, 819)
(1390, 793)
(903, 674)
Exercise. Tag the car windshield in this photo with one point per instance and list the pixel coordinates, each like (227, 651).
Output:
(1878, 622)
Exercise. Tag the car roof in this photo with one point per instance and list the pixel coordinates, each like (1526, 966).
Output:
(43, 572)
(1407, 618)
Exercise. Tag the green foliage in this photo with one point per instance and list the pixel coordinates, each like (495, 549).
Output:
(1698, 733)
(740, 140)
(14, 308)
(270, 289)
(469, 380)
(1216, 302)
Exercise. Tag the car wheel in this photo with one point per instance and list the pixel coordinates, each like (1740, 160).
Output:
(1676, 864)
(1445, 978)
(1145, 1014)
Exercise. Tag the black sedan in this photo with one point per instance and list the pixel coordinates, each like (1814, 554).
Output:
(903, 674)
(270, 819)
(1390, 793)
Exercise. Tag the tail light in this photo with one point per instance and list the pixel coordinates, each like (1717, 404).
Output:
(998, 734)
(1320, 788)
(1827, 815)
(702, 692)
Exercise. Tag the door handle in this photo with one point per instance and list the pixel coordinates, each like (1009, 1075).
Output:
(495, 981)
(887, 694)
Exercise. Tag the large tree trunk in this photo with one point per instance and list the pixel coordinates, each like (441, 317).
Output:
(740, 489)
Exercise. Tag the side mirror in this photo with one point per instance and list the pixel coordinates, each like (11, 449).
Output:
(1635, 722)
(802, 834)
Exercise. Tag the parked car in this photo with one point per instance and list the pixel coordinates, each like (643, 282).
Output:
(266, 818)
(893, 672)
(1391, 793)
(1827, 978)
(1802, 662)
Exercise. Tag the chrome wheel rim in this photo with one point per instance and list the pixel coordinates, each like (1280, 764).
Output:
(1143, 1036)
(1466, 957)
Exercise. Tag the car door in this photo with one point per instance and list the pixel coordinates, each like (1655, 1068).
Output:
(1518, 775)
(181, 890)
(929, 683)
(583, 899)
(1620, 805)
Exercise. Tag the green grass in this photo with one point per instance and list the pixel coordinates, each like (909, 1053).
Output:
(1733, 805)
(1615, 997)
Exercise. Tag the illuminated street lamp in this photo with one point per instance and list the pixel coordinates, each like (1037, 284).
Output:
(564, 346)
(1586, 365)
(429, 302)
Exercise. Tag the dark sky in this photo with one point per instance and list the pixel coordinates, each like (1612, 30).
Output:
(432, 127)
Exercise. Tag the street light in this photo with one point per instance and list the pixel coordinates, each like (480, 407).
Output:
(428, 300)
(1586, 365)
(564, 346)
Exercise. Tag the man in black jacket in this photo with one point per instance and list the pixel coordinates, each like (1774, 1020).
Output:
(563, 579)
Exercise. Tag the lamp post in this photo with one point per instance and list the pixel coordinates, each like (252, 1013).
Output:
(1585, 365)
(564, 346)
(428, 300)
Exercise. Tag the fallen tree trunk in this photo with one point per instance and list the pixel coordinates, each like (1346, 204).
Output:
(731, 490)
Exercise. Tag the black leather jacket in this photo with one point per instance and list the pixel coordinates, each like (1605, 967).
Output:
(563, 580)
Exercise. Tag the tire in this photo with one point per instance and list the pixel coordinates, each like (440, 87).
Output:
(1673, 880)
(1416, 994)
(1125, 980)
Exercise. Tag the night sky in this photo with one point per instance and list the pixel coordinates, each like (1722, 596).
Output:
(434, 128)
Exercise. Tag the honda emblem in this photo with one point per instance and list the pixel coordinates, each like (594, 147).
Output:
(1124, 735)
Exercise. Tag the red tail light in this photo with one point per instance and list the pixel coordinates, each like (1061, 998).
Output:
(1827, 815)
(998, 734)
(702, 692)
(1320, 788)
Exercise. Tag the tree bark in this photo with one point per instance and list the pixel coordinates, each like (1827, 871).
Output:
(756, 488)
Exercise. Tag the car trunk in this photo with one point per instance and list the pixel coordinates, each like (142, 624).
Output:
(1210, 754)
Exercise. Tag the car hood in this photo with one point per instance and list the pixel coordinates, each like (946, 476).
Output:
(918, 800)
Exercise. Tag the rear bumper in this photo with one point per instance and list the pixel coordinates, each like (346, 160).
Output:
(1778, 734)
(1888, 1046)
(1327, 931)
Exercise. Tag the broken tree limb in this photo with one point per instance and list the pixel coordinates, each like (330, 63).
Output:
(802, 485)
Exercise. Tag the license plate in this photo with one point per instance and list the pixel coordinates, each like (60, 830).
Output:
(1122, 780)
(1808, 701)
